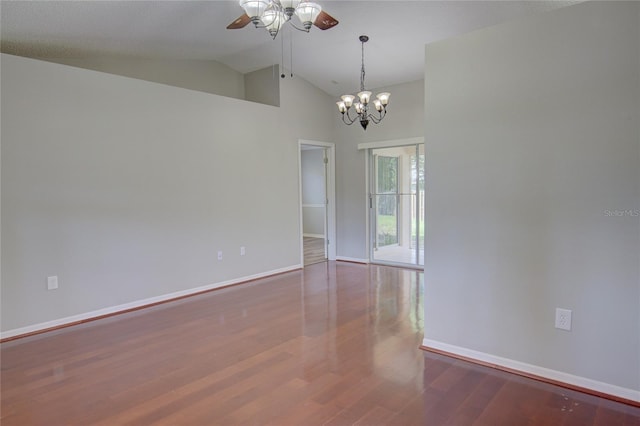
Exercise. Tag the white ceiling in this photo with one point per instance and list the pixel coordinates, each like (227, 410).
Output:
(330, 59)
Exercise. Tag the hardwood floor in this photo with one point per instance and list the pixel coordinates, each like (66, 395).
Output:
(313, 250)
(335, 344)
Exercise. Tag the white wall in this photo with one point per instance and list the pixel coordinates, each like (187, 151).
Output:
(205, 76)
(263, 86)
(405, 119)
(532, 145)
(304, 113)
(126, 189)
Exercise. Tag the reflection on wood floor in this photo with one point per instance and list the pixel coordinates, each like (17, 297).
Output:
(334, 343)
(313, 250)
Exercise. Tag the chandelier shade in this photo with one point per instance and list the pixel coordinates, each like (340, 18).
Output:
(361, 107)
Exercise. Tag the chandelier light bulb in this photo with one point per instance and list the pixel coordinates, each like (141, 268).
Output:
(348, 100)
(384, 98)
(341, 107)
(364, 96)
(378, 105)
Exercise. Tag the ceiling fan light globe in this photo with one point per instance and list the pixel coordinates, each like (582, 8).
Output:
(268, 17)
(307, 12)
(254, 8)
(348, 100)
(273, 20)
(289, 4)
(364, 96)
(383, 97)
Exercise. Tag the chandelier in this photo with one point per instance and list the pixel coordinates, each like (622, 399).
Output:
(274, 14)
(361, 106)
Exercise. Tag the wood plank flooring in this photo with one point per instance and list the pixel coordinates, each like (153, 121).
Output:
(313, 250)
(333, 344)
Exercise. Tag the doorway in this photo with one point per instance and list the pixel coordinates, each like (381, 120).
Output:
(317, 201)
(396, 205)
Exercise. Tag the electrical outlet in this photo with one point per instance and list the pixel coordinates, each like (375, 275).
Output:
(220, 255)
(52, 283)
(563, 319)
(242, 251)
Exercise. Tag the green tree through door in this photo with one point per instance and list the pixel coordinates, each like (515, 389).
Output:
(387, 200)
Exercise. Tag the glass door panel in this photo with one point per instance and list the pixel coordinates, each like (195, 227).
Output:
(386, 201)
(396, 205)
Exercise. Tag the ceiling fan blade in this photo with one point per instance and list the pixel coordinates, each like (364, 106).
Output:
(241, 22)
(324, 21)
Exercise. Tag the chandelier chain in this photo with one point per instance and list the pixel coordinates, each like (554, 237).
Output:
(362, 70)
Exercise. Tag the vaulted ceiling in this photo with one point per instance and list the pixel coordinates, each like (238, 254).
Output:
(330, 59)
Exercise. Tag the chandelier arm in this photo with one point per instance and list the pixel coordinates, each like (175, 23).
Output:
(379, 118)
(350, 120)
(375, 119)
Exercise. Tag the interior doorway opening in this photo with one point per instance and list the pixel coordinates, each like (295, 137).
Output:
(317, 205)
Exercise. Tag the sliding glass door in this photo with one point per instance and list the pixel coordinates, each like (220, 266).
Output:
(396, 205)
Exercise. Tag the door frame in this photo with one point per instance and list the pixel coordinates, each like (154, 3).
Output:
(330, 190)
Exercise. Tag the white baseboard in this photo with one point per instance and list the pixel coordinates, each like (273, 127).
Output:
(136, 304)
(352, 259)
(558, 376)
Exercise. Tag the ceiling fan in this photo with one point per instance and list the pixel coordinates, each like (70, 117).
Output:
(273, 14)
